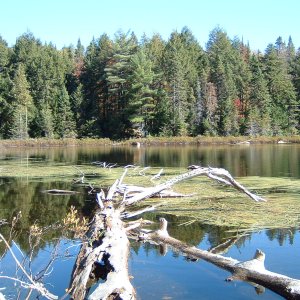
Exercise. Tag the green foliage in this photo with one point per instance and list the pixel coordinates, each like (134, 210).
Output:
(141, 103)
(22, 104)
(122, 87)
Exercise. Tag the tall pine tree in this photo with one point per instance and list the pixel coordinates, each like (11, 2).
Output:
(22, 104)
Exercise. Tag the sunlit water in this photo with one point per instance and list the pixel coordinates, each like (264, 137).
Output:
(155, 276)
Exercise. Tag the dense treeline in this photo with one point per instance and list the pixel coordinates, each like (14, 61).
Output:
(122, 87)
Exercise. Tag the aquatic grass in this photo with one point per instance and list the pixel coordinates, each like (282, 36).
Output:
(211, 203)
(217, 205)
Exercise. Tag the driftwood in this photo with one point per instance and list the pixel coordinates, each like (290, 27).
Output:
(59, 192)
(104, 254)
(218, 174)
(252, 271)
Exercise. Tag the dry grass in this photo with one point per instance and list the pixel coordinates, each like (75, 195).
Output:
(203, 140)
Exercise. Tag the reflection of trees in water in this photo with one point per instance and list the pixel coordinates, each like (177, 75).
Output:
(192, 234)
(282, 235)
(196, 233)
(44, 209)
(239, 160)
(36, 207)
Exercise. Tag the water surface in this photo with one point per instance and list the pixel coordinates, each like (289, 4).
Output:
(156, 276)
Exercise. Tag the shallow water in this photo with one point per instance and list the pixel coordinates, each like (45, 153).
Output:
(156, 276)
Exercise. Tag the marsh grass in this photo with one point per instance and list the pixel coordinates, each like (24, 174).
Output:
(211, 204)
(216, 204)
(151, 140)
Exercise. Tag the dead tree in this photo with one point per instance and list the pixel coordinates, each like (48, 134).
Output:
(251, 271)
(104, 254)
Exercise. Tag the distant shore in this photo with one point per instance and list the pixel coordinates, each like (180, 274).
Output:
(199, 140)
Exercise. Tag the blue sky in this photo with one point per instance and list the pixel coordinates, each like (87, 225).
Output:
(62, 22)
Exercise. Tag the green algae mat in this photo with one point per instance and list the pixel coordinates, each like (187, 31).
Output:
(211, 203)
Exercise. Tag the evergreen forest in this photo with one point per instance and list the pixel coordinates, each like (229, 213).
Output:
(123, 87)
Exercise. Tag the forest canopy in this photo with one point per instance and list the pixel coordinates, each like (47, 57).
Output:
(122, 87)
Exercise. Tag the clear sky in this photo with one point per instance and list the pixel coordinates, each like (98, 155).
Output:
(62, 22)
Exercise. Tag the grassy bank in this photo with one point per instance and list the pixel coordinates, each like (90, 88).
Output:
(199, 140)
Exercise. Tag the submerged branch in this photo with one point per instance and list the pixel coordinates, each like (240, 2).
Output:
(30, 284)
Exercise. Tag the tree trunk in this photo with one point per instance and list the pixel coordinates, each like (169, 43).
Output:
(252, 271)
(104, 255)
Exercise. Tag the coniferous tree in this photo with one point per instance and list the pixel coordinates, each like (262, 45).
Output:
(120, 88)
(295, 71)
(284, 102)
(64, 121)
(118, 71)
(154, 49)
(193, 64)
(177, 85)
(221, 56)
(22, 104)
(5, 87)
(258, 120)
(291, 52)
(76, 102)
(90, 78)
(140, 109)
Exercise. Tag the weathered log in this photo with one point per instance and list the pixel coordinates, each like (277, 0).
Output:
(218, 174)
(252, 271)
(107, 246)
(106, 250)
(60, 192)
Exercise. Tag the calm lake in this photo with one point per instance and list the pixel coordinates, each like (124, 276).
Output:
(155, 276)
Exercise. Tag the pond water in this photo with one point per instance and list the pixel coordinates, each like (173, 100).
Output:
(155, 276)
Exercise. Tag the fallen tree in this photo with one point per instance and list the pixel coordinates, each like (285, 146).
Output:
(252, 271)
(104, 254)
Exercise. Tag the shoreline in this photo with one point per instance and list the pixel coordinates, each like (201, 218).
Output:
(150, 141)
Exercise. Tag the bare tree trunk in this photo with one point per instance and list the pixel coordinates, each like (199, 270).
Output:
(106, 250)
(251, 271)
(104, 255)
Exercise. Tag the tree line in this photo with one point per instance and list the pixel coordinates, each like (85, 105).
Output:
(122, 87)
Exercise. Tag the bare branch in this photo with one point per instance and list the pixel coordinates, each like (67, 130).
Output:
(213, 173)
(31, 284)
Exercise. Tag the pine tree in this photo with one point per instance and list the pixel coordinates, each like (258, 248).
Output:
(22, 103)
(64, 121)
(284, 110)
(177, 84)
(94, 87)
(222, 60)
(295, 73)
(291, 52)
(118, 71)
(141, 104)
(258, 121)
(154, 49)
(5, 87)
